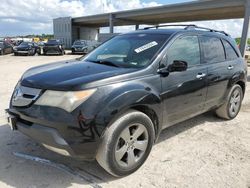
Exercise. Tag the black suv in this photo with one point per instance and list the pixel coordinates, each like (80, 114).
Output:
(27, 48)
(53, 46)
(112, 104)
(83, 46)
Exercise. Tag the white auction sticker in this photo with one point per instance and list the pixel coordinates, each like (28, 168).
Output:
(146, 46)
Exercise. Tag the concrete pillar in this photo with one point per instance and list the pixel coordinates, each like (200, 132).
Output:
(111, 23)
(137, 26)
(245, 30)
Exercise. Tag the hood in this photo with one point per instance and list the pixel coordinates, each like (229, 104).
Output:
(70, 75)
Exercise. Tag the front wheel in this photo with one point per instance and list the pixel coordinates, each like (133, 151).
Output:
(126, 144)
(230, 109)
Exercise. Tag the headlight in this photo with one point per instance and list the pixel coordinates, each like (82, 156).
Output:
(68, 101)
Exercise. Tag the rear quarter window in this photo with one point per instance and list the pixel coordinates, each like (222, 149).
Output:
(213, 49)
(230, 51)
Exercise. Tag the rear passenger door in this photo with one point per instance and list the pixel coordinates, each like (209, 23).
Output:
(183, 93)
(219, 69)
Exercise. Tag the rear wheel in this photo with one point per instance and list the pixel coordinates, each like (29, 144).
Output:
(231, 108)
(126, 144)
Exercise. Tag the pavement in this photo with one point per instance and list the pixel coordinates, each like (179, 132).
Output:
(201, 152)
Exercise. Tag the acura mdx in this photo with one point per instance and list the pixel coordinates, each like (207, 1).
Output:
(112, 104)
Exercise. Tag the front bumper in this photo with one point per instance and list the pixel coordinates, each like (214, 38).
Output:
(78, 50)
(64, 140)
(52, 50)
(23, 52)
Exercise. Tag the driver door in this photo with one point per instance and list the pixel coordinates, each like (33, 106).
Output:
(183, 93)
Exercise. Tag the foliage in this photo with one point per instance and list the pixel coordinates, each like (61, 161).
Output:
(238, 41)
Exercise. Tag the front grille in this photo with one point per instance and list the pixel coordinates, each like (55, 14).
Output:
(24, 96)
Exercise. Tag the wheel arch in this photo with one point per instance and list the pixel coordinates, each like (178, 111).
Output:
(152, 115)
(242, 85)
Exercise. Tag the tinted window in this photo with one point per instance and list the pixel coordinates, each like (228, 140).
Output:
(26, 44)
(53, 42)
(79, 43)
(213, 50)
(230, 52)
(185, 49)
(129, 50)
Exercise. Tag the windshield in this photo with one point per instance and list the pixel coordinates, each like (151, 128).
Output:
(130, 50)
(79, 43)
(53, 42)
(26, 44)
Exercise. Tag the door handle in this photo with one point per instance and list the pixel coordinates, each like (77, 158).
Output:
(230, 67)
(200, 75)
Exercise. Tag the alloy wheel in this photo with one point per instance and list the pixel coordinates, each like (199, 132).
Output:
(131, 145)
(234, 103)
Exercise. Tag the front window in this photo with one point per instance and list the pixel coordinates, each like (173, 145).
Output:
(79, 43)
(53, 42)
(26, 44)
(185, 49)
(130, 50)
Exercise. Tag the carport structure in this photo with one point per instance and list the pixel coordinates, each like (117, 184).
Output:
(202, 10)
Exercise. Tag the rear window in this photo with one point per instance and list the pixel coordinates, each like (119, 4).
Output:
(213, 49)
(230, 52)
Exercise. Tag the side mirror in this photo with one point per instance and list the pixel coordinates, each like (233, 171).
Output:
(178, 66)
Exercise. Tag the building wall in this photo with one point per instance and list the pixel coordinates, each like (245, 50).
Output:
(84, 33)
(63, 30)
(67, 33)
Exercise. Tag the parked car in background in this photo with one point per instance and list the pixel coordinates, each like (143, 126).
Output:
(248, 48)
(5, 48)
(53, 46)
(27, 48)
(112, 104)
(83, 46)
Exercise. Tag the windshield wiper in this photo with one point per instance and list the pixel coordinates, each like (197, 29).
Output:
(104, 62)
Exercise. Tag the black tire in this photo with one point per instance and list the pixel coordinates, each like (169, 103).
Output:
(106, 155)
(225, 111)
(15, 54)
(1, 52)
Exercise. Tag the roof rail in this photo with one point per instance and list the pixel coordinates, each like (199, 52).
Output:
(173, 25)
(187, 27)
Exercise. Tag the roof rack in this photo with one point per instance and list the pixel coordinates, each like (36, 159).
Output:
(187, 27)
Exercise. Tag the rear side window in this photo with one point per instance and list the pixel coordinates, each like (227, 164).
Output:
(213, 49)
(186, 49)
(230, 52)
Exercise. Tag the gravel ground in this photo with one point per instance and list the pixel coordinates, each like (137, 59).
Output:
(201, 152)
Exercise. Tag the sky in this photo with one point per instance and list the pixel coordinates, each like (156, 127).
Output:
(24, 17)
